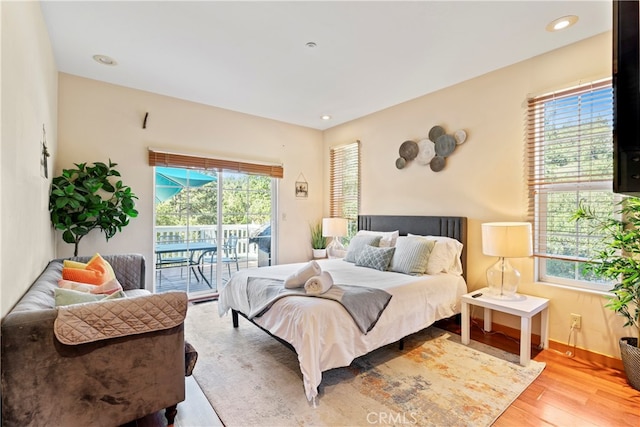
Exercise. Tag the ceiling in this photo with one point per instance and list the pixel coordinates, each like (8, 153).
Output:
(252, 57)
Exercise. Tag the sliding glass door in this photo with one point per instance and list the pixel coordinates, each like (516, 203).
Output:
(210, 224)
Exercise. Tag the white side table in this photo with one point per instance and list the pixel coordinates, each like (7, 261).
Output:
(525, 306)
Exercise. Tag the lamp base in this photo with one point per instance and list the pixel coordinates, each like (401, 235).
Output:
(335, 249)
(503, 280)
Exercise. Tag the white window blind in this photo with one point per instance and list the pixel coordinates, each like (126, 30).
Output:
(569, 159)
(344, 181)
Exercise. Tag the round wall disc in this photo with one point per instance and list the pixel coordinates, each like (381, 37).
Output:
(408, 150)
(460, 136)
(437, 163)
(445, 144)
(426, 152)
(436, 132)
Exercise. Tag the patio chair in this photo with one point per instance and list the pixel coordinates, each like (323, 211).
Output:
(171, 262)
(229, 253)
(230, 248)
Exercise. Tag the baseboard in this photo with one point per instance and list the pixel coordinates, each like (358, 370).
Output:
(580, 353)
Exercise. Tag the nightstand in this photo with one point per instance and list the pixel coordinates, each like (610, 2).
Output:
(524, 306)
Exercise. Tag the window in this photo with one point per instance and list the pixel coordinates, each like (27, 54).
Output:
(213, 218)
(344, 181)
(569, 161)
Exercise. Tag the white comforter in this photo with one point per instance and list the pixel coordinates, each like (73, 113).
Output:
(322, 332)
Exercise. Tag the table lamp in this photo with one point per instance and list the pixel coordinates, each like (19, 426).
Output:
(505, 240)
(334, 228)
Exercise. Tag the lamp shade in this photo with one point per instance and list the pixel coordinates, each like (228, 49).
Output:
(507, 239)
(334, 227)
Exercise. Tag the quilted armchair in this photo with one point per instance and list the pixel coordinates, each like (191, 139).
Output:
(93, 364)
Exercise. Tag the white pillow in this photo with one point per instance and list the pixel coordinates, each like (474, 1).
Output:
(388, 238)
(445, 256)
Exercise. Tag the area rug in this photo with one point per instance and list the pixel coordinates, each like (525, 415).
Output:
(253, 380)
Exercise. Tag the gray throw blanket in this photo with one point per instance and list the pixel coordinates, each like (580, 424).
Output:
(365, 305)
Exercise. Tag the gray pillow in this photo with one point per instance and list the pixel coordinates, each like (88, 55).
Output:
(373, 257)
(411, 255)
(357, 244)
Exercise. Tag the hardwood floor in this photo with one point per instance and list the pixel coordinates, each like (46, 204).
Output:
(569, 392)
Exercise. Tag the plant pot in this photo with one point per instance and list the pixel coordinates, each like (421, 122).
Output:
(319, 253)
(631, 360)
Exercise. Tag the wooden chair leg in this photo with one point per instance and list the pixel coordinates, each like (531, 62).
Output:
(170, 413)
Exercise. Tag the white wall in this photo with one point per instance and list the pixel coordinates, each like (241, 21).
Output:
(99, 121)
(484, 179)
(28, 92)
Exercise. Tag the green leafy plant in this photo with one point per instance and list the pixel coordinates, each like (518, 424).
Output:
(318, 241)
(619, 260)
(90, 197)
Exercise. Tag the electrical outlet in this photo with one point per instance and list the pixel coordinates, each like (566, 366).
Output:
(575, 320)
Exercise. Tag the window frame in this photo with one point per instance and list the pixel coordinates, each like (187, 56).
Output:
(541, 183)
(345, 160)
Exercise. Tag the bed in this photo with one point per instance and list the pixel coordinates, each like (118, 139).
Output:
(322, 332)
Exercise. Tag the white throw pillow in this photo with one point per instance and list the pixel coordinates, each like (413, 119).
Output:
(387, 240)
(445, 256)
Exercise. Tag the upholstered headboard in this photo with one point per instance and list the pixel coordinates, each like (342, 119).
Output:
(449, 226)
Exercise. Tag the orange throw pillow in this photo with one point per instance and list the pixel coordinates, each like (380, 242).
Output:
(97, 272)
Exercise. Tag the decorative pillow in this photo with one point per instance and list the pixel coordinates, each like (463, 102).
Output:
(74, 264)
(373, 257)
(357, 244)
(411, 255)
(445, 257)
(106, 288)
(70, 296)
(97, 272)
(388, 237)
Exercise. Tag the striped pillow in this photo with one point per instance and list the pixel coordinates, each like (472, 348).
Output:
(411, 255)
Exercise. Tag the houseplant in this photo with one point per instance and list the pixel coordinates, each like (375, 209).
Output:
(89, 197)
(318, 241)
(619, 262)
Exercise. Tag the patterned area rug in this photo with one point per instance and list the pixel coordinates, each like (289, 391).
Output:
(253, 380)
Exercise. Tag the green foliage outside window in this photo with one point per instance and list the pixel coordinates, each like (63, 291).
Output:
(247, 200)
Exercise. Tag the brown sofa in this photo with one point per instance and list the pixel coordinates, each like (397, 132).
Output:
(121, 359)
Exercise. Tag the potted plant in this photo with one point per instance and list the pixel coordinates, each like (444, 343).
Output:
(90, 197)
(318, 241)
(619, 262)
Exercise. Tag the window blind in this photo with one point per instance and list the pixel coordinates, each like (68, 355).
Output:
(344, 181)
(569, 161)
(161, 158)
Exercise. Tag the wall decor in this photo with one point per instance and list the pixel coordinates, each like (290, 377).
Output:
(426, 151)
(432, 151)
(436, 132)
(302, 188)
(44, 160)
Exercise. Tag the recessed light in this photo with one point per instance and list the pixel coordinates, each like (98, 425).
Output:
(325, 117)
(562, 23)
(104, 60)
(311, 44)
